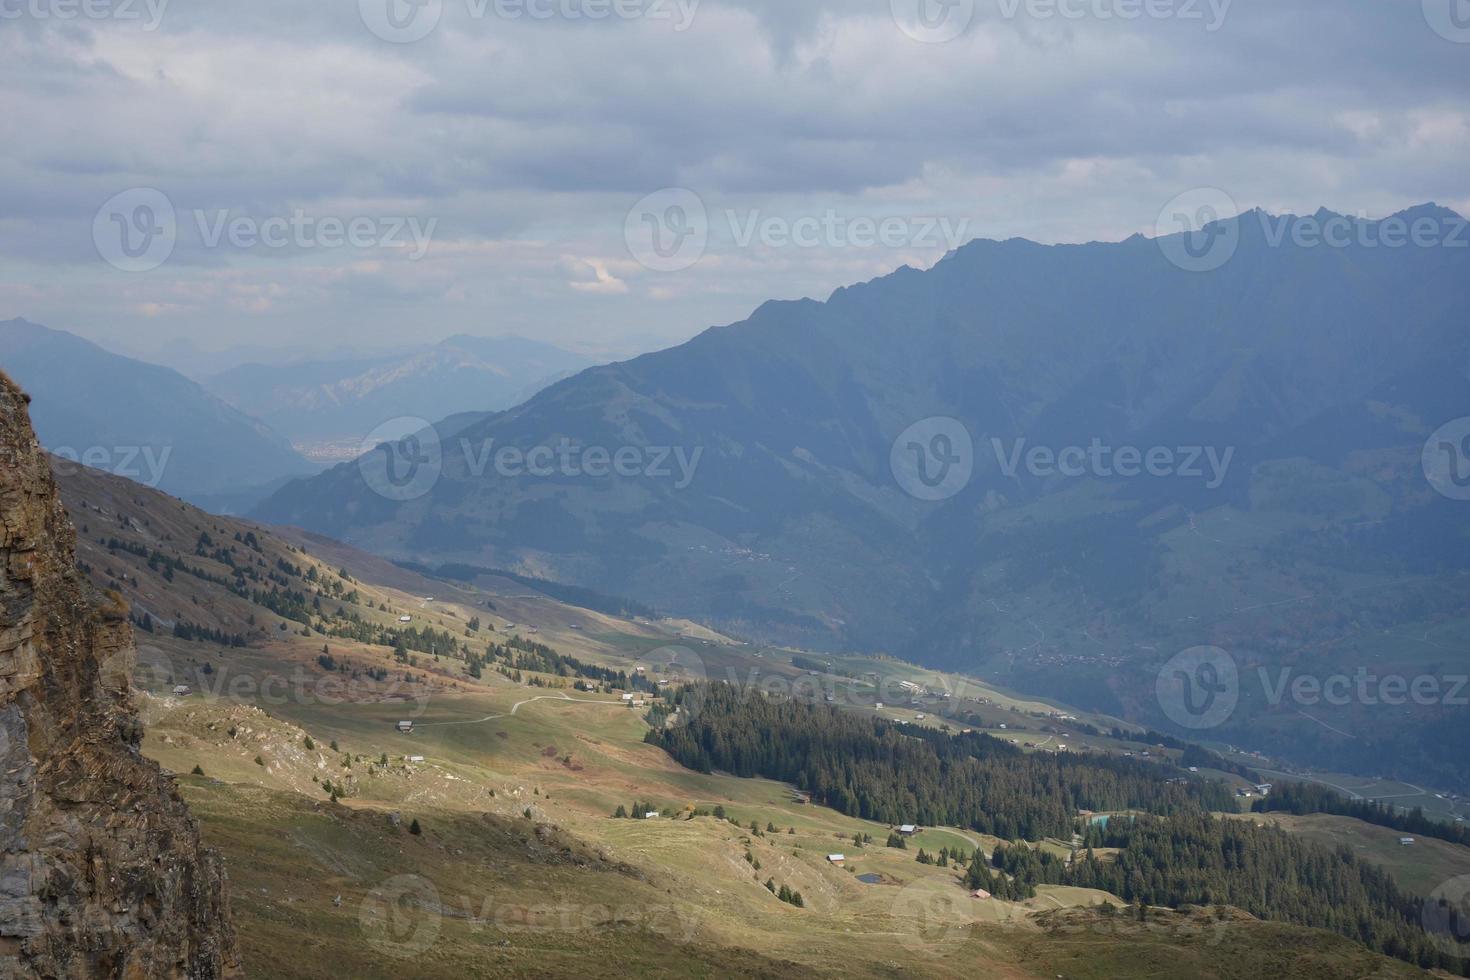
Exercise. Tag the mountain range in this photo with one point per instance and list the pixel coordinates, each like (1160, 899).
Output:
(146, 422)
(1060, 465)
(340, 401)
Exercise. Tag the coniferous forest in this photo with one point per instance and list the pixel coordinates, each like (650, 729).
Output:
(1302, 798)
(1198, 859)
(874, 769)
(1173, 852)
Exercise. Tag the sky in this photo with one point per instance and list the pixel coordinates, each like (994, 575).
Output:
(180, 177)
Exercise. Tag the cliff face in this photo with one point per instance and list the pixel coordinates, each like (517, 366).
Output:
(101, 870)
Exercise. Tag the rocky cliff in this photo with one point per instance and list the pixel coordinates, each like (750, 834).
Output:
(102, 873)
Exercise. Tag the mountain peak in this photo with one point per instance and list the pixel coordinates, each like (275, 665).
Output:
(1429, 210)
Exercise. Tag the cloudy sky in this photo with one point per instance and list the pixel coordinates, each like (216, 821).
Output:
(616, 175)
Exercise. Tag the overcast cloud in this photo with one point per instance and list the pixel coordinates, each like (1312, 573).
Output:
(330, 186)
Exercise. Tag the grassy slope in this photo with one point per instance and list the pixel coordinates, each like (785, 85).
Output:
(1419, 868)
(567, 889)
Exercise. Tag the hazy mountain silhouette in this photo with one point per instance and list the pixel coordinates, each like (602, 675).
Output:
(1314, 372)
(337, 399)
(140, 420)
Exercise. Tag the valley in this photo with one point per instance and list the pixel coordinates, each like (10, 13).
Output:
(288, 749)
(910, 490)
(1120, 480)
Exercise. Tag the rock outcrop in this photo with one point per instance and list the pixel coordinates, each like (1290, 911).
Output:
(102, 873)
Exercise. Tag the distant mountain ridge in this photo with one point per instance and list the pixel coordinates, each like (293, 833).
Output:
(1313, 371)
(346, 399)
(140, 420)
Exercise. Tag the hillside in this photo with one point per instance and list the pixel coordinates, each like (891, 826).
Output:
(142, 421)
(513, 778)
(772, 486)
